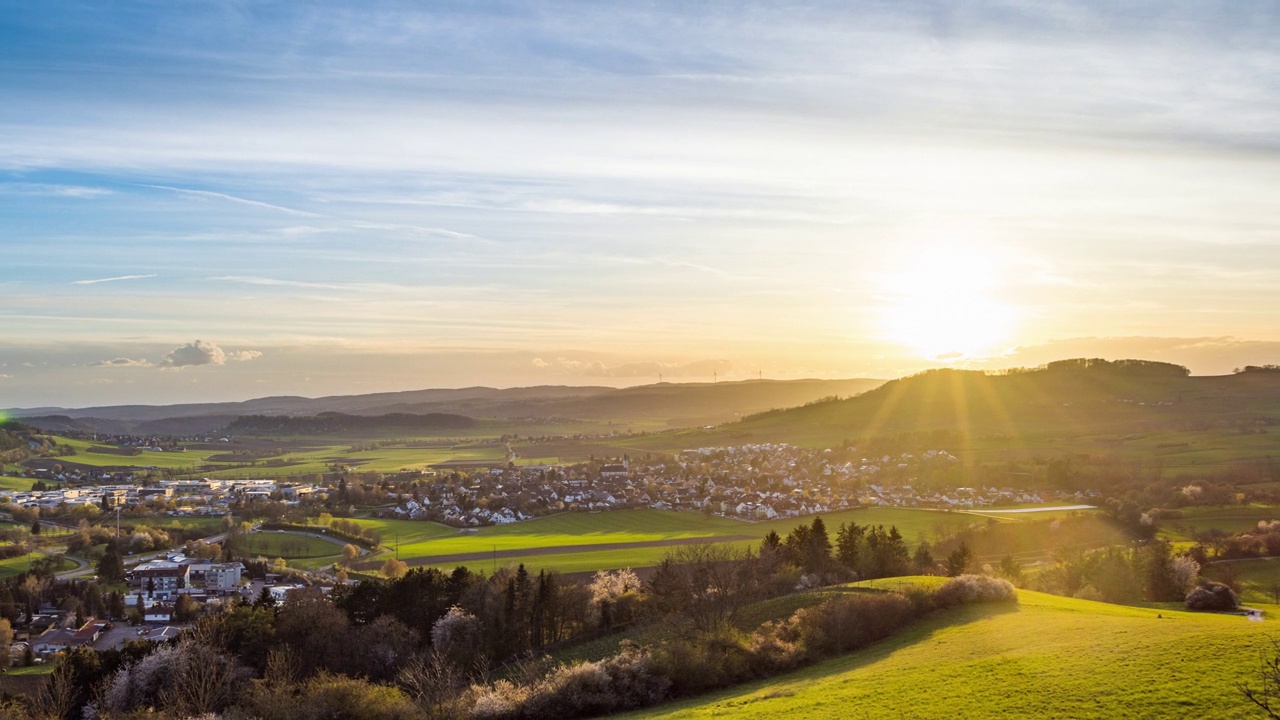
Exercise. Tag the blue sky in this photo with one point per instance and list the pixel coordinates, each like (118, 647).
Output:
(342, 197)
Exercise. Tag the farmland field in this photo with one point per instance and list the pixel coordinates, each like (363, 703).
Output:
(587, 536)
(287, 545)
(1232, 519)
(1083, 659)
(16, 484)
(285, 458)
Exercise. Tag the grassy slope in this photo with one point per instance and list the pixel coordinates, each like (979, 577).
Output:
(1049, 657)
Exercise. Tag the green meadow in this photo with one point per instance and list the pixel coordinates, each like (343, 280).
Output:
(287, 545)
(599, 530)
(1258, 578)
(1231, 519)
(1047, 657)
(17, 565)
(294, 460)
(16, 484)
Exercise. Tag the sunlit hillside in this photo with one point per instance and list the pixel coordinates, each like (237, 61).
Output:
(1048, 657)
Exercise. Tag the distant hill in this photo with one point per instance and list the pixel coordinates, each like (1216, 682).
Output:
(339, 423)
(1065, 398)
(678, 404)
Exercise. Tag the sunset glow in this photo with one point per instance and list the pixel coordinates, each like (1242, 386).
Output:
(214, 202)
(945, 306)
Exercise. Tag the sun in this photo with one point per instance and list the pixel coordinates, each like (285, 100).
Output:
(944, 304)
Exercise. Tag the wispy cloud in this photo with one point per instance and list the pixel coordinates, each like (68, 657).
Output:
(209, 194)
(276, 282)
(52, 190)
(122, 362)
(117, 278)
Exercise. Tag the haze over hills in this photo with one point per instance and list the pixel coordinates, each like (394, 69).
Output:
(679, 404)
(1063, 399)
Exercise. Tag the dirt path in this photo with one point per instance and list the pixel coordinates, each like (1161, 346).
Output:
(558, 550)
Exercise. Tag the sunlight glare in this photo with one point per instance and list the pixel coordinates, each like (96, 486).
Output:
(942, 304)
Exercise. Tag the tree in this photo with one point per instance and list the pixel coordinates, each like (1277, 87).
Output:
(394, 569)
(959, 559)
(1011, 570)
(111, 566)
(349, 553)
(923, 560)
(1267, 696)
(705, 584)
(184, 609)
(849, 546)
(35, 526)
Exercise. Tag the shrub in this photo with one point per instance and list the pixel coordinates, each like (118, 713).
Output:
(705, 662)
(847, 623)
(967, 589)
(774, 648)
(1212, 597)
(624, 681)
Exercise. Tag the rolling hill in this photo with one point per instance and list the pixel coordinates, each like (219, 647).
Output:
(1046, 657)
(1063, 400)
(677, 404)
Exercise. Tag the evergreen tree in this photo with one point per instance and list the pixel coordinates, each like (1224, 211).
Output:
(771, 543)
(111, 566)
(819, 550)
(849, 546)
(1011, 570)
(923, 560)
(959, 559)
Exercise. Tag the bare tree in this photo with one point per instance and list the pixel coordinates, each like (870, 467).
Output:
(435, 683)
(1267, 696)
(704, 584)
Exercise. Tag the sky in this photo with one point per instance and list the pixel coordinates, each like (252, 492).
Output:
(225, 200)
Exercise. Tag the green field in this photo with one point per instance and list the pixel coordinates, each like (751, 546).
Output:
(1047, 657)
(421, 539)
(287, 545)
(16, 484)
(17, 565)
(316, 457)
(1232, 519)
(1256, 576)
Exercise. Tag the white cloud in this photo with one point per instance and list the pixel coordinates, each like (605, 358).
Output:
(205, 353)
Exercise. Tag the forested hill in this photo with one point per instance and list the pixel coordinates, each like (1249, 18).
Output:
(1064, 399)
(677, 404)
(340, 423)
